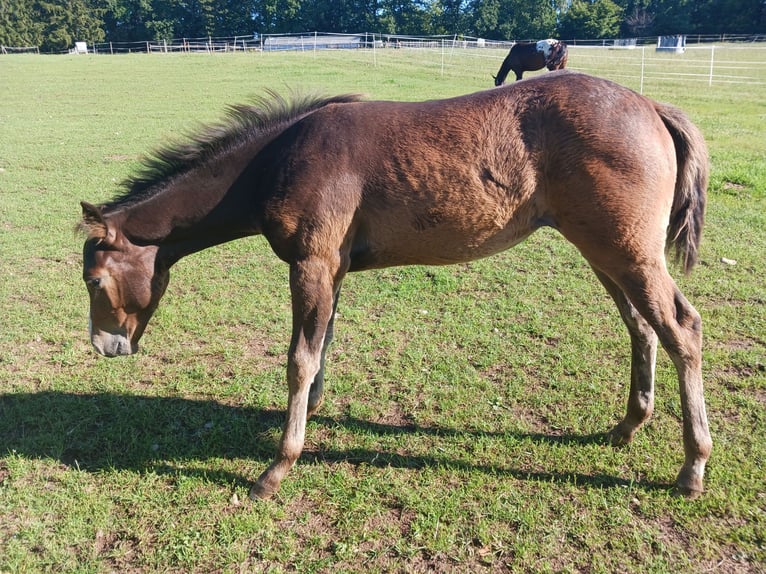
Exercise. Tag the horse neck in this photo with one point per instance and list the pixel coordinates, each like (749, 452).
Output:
(198, 210)
(504, 69)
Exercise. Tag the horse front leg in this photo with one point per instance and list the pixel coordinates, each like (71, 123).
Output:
(312, 288)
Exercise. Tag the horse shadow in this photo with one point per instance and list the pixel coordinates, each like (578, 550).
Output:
(108, 431)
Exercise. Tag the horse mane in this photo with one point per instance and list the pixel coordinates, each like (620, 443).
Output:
(259, 118)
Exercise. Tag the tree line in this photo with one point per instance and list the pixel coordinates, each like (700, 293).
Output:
(54, 25)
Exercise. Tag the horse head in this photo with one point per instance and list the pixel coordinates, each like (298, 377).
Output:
(557, 59)
(125, 282)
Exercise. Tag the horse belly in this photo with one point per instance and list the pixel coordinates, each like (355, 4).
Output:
(406, 239)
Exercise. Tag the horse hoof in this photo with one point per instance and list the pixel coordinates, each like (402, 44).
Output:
(688, 486)
(620, 435)
(261, 491)
(680, 491)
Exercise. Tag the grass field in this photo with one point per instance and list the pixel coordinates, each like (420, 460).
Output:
(462, 427)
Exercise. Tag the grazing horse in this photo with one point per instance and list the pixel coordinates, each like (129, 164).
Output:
(340, 184)
(530, 56)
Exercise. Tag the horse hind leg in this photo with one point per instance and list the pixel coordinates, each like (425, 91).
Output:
(654, 294)
(316, 393)
(643, 342)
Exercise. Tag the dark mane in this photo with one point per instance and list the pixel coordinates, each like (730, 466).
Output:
(263, 116)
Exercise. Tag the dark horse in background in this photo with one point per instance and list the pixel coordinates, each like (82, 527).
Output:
(531, 56)
(339, 184)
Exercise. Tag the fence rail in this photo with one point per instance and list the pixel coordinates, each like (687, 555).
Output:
(19, 49)
(306, 41)
(715, 63)
(705, 60)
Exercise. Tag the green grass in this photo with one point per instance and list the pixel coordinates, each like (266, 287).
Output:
(461, 429)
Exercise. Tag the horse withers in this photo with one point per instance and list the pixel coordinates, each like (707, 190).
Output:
(531, 56)
(340, 184)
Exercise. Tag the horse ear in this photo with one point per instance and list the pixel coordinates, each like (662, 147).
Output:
(93, 222)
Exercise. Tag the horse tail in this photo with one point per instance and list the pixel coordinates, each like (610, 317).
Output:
(687, 215)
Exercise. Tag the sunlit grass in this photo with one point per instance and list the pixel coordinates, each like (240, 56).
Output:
(461, 425)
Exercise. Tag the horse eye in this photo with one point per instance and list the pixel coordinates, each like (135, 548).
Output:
(95, 282)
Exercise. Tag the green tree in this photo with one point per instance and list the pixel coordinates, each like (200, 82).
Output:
(406, 17)
(68, 21)
(513, 19)
(658, 17)
(590, 20)
(19, 25)
(342, 16)
(126, 20)
(277, 16)
(730, 17)
(450, 16)
(673, 16)
(232, 17)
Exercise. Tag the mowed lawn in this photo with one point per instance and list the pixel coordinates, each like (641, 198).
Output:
(462, 429)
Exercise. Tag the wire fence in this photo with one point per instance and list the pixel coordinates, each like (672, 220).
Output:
(700, 64)
(702, 60)
(309, 41)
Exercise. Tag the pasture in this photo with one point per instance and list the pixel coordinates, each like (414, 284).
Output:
(462, 429)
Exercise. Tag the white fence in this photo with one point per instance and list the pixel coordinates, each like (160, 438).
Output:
(702, 64)
(730, 60)
(19, 50)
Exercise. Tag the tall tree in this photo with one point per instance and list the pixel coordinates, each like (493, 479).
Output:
(513, 19)
(342, 16)
(68, 21)
(591, 20)
(451, 17)
(20, 24)
(406, 17)
(126, 20)
(674, 16)
(731, 17)
(276, 16)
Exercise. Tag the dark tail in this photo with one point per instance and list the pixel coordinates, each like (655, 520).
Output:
(687, 215)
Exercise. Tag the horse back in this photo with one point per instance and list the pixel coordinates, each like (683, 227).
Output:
(452, 180)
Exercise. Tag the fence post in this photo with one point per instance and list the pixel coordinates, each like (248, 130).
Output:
(643, 59)
(442, 57)
(712, 58)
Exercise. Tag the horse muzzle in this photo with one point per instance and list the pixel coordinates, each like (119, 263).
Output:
(112, 344)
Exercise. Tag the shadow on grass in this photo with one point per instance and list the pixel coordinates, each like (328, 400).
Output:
(96, 432)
